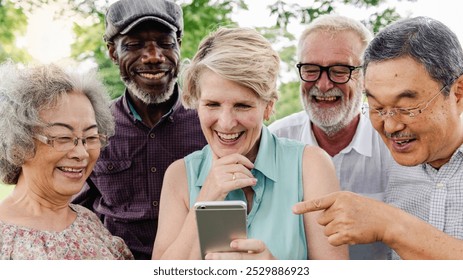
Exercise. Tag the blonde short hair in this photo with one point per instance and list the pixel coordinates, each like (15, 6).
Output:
(240, 55)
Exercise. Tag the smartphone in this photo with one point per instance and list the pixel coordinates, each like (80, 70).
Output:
(220, 222)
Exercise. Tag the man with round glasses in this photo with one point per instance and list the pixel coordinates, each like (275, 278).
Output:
(414, 87)
(330, 53)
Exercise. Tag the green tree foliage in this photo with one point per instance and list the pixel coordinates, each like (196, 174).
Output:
(288, 102)
(203, 16)
(200, 17)
(89, 45)
(304, 14)
(13, 23)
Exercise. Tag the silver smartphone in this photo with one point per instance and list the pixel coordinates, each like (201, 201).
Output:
(220, 222)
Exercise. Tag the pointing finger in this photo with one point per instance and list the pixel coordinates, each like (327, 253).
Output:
(318, 204)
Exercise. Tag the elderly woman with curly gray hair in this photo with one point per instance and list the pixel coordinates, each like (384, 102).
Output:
(53, 124)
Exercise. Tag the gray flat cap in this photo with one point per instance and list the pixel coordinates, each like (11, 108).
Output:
(124, 15)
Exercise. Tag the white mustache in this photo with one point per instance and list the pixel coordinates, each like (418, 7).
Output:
(335, 92)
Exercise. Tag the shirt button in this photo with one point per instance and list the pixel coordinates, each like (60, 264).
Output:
(155, 203)
(110, 166)
(440, 185)
(153, 169)
(152, 135)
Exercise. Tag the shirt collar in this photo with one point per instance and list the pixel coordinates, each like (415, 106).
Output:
(362, 138)
(265, 160)
(136, 117)
(361, 142)
(455, 156)
(460, 149)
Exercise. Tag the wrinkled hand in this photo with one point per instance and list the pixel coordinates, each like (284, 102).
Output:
(244, 249)
(348, 218)
(228, 173)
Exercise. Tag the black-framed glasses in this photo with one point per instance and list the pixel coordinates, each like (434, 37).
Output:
(64, 143)
(403, 115)
(338, 74)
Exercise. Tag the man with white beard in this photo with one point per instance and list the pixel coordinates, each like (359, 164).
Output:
(330, 55)
(153, 129)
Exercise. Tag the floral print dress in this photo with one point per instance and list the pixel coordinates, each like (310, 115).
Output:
(85, 238)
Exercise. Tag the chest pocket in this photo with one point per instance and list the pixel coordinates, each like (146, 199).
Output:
(114, 179)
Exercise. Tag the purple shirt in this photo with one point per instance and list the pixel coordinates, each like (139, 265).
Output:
(128, 175)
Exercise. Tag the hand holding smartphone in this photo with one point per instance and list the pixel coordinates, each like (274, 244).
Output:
(220, 222)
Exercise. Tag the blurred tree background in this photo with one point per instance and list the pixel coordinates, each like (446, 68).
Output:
(200, 17)
(12, 22)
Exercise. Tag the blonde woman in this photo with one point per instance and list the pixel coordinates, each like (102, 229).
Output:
(231, 81)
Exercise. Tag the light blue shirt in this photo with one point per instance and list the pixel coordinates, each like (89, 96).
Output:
(361, 167)
(278, 169)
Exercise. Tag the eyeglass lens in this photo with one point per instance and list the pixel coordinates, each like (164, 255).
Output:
(65, 143)
(336, 73)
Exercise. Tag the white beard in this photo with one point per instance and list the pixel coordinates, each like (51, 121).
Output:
(334, 119)
(148, 98)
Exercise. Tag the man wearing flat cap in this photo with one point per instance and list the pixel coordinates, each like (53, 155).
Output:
(152, 127)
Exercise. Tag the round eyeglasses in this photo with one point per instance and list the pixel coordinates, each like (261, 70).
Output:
(403, 115)
(64, 143)
(338, 74)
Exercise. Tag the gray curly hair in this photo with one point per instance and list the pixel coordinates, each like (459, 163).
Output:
(24, 93)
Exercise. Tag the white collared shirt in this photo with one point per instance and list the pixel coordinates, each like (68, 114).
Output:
(362, 167)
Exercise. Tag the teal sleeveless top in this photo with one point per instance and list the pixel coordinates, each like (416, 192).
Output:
(278, 169)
